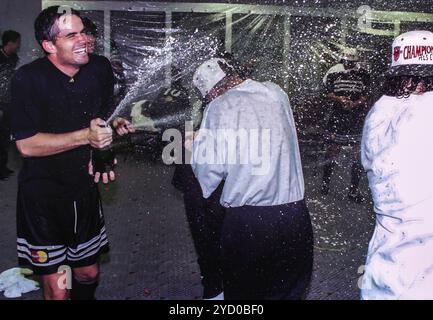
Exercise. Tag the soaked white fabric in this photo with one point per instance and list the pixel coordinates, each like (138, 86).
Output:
(397, 153)
(268, 168)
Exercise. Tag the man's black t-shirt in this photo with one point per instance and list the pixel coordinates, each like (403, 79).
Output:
(45, 100)
(352, 84)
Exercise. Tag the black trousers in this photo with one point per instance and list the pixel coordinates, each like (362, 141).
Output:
(205, 218)
(267, 252)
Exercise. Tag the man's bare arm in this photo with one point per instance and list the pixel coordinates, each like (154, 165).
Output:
(47, 144)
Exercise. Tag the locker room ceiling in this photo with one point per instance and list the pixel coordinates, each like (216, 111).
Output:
(396, 5)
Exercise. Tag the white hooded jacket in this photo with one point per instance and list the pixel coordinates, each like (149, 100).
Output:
(261, 111)
(397, 153)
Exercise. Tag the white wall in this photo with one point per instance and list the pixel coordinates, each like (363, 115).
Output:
(19, 15)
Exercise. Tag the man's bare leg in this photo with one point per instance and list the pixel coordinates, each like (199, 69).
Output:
(85, 282)
(52, 290)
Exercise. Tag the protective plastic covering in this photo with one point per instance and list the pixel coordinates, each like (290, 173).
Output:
(155, 58)
(155, 55)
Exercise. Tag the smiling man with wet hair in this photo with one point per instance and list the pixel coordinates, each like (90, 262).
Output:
(58, 103)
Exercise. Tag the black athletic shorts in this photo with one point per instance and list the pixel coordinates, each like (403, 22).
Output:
(58, 232)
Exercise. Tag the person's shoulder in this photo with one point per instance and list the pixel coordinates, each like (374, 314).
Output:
(99, 64)
(96, 59)
(333, 75)
(276, 89)
(253, 86)
(32, 69)
(423, 103)
(428, 96)
(383, 101)
(273, 86)
(221, 105)
(35, 65)
(250, 88)
(335, 68)
(380, 110)
(244, 88)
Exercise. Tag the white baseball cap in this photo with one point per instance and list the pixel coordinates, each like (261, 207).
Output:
(208, 75)
(412, 54)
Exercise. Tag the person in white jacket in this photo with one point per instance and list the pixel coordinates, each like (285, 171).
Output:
(397, 153)
(248, 140)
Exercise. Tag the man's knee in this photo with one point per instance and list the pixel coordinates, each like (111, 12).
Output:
(52, 289)
(84, 283)
(87, 274)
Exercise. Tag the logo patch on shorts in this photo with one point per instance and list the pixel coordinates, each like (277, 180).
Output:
(39, 256)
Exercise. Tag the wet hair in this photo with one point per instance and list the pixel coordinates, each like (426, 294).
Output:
(10, 36)
(233, 66)
(90, 27)
(45, 23)
(404, 86)
(228, 69)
